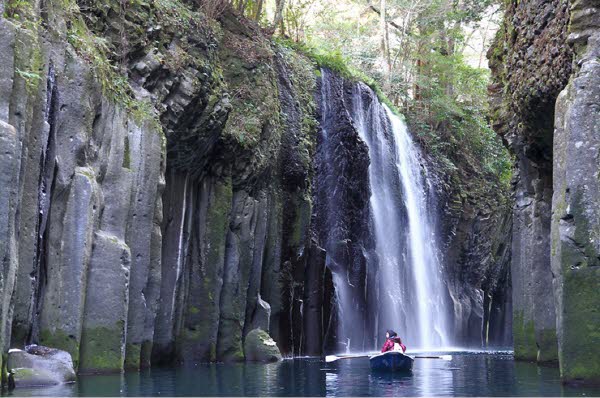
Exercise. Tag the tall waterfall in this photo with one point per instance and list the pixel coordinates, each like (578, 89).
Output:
(375, 219)
(411, 291)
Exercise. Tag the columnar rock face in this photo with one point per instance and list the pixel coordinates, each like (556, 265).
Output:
(96, 265)
(555, 139)
(531, 64)
(77, 156)
(476, 234)
(575, 244)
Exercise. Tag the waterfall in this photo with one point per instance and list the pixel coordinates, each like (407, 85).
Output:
(411, 292)
(375, 218)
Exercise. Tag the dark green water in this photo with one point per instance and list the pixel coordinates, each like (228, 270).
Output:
(467, 374)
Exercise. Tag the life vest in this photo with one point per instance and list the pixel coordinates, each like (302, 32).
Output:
(399, 346)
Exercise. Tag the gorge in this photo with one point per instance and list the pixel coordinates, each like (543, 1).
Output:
(174, 179)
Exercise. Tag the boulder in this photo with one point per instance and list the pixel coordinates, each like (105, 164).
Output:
(39, 366)
(260, 347)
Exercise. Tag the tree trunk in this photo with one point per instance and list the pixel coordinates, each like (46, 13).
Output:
(278, 19)
(385, 48)
(258, 11)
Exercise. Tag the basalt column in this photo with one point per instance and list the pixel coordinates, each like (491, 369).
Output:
(576, 203)
(530, 65)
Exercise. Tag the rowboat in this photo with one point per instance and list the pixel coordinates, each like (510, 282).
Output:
(391, 361)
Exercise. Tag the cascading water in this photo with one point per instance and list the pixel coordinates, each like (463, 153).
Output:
(412, 295)
(373, 219)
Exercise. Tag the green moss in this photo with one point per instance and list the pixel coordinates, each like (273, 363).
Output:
(252, 82)
(198, 337)
(25, 374)
(19, 10)
(585, 234)
(524, 337)
(199, 331)
(260, 346)
(579, 359)
(547, 346)
(336, 62)
(132, 356)
(86, 172)
(97, 52)
(4, 369)
(29, 60)
(101, 349)
(302, 75)
(217, 222)
(61, 340)
(234, 354)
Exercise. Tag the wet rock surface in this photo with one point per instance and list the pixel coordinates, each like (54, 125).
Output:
(38, 366)
(341, 197)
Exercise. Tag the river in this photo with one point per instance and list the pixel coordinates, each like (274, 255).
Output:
(467, 374)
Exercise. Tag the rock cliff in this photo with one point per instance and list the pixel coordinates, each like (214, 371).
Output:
(98, 260)
(544, 63)
(165, 190)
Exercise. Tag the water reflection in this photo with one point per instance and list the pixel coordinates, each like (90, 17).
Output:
(467, 374)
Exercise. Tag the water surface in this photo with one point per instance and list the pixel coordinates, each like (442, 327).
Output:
(467, 374)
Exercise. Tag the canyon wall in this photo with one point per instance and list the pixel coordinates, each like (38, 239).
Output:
(165, 191)
(544, 63)
(160, 219)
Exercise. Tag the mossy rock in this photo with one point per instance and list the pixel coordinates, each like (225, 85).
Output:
(524, 337)
(260, 347)
(28, 377)
(102, 350)
(39, 366)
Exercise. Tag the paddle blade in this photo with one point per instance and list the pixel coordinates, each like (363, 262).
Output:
(331, 358)
(446, 357)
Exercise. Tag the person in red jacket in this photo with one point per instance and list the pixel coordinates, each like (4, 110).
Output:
(392, 342)
(389, 341)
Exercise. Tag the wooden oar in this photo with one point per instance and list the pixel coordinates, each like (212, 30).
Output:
(442, 357)
(333, 358)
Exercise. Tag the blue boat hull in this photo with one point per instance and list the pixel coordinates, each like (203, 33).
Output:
(391, 361)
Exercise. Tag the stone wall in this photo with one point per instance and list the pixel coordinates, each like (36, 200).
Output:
(542, 46)
(98, 260)
(530, 65)
(575, 241)
(86, 187)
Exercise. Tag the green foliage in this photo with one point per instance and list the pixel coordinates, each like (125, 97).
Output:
(443, 96)
(338, 63)
(452, 111)
(30, 77)
(18, 9)
(95, 51)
